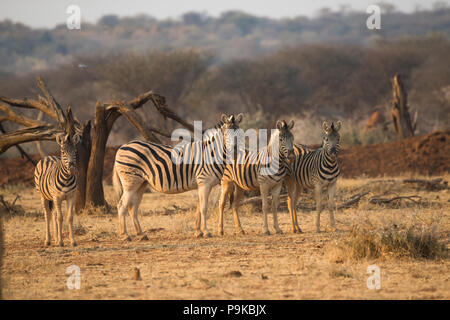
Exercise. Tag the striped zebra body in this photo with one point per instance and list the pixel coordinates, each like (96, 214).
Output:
(139, 164)
(251, 170)
(245, 171)
(55, 180)
(315, 170)
(315, 167)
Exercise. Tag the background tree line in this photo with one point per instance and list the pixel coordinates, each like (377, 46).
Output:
(311, 82)
(234, 34)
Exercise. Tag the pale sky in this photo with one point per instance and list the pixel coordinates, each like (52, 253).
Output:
(48, 13)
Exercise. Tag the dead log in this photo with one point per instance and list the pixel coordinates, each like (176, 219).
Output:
(45, 132)
(92, 148)
(353, 200)
(379, 200)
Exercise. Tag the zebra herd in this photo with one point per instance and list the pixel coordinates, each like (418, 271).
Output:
(201, 165)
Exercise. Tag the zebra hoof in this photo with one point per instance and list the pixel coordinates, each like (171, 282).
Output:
(47, 243)
(74, 244)
(207, 235)
(279, 232)
(241, 232)
(143, 238)
(220, 233)
(126, 238)
(267, 233)
(198, 234)
(61, 244)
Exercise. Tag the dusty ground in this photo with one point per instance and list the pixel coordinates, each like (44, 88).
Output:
(174, 265)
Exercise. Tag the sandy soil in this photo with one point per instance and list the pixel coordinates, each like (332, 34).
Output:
(175, 265)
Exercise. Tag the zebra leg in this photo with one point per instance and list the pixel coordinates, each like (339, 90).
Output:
(238, 193)
(55, 225)
(292, 203)
(331, 204)
(198, 222)
(297, 194)
(265, 206)
(122, 208)
(203, 194)
(225, 193)
(70, 206)
(59, 222)
(47, 214)
(133, 210)
(318, 195)
(275, 199)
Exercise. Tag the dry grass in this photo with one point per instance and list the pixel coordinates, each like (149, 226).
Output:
(390, 241)
(174, 265)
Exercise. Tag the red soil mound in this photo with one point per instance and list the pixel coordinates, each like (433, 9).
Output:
(427, 155)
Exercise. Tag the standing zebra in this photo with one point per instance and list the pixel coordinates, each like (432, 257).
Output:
(249, 171)
(55, 180)
(140, 163)
(315, 169)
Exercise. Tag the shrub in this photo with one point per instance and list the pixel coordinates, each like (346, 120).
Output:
(389, 241)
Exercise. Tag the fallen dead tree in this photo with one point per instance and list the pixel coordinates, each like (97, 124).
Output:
(379, 200)
(351, 201)
(91, 149)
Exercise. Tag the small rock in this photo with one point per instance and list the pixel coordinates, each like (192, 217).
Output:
(137, 274)
(235, 274)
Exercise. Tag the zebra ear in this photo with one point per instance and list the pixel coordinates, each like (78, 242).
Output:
(337, 126)
(239, 117)
(60, 138)
(224, 118)
(76, 139)
(279, 125)
(326, 126)
(291, 124)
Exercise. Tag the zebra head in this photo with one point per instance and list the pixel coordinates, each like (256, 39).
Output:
(230, 129)
(68, 151)
(331, 137)
(286, 140)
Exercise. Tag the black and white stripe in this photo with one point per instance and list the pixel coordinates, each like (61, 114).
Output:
(316, 170)
(262, 170)
(55, 180)
(200, 166)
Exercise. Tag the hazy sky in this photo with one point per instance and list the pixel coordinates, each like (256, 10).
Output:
(48, 13)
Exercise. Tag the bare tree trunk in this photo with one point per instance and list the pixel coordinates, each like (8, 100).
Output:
(399, 112)
(84, 151)
(94, 186)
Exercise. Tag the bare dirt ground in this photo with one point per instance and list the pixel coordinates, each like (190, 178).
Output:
(175, 265)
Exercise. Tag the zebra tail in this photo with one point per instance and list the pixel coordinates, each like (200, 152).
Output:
(50, 205)
(117, 185)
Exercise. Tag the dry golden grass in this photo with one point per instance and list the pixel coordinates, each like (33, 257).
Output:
(175, 265)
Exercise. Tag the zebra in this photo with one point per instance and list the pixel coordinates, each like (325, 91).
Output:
(139, 164)
(55, 180)
(246, 172)
(315, 170)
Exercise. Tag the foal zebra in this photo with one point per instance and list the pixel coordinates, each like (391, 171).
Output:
(315, 169)
(140, 163)
(251, 170)
(55, 180)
